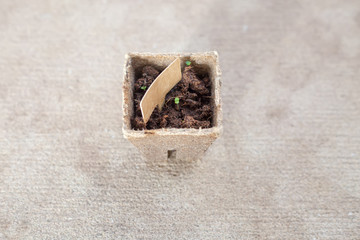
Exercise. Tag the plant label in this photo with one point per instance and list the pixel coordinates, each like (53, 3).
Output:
(155, 95)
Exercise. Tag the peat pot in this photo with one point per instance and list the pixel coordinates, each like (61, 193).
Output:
(184, 144)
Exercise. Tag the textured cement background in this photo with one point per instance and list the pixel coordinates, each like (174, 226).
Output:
(286, 167)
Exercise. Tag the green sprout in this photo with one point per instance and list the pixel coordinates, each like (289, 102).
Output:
(177, 100)
(188, 63)
(143, 88)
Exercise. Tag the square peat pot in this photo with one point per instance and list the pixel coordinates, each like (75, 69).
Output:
(181, 144)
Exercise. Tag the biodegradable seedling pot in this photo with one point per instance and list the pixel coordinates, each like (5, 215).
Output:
(184, 144)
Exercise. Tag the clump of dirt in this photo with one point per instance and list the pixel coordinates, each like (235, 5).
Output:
(193, 110)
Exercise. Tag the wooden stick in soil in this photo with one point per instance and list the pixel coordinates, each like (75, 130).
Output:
(155, 95)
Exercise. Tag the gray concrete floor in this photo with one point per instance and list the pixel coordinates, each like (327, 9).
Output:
(286, 167)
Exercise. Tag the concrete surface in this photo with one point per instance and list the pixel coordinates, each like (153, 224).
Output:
(286, 167)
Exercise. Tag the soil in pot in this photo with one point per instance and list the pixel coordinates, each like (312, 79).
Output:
(187, 105)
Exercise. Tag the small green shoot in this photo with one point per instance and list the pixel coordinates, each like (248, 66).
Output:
(143, 88)
(188, 63)
(177, 101)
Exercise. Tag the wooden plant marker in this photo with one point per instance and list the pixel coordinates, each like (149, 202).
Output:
(155, 95)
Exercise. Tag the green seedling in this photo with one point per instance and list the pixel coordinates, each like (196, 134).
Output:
(177, 101)
(143, 88)
(188, 63)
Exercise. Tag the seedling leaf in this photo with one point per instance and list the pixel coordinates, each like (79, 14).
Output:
(177, 100)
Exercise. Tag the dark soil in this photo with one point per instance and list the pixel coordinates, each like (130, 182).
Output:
(193, 111)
